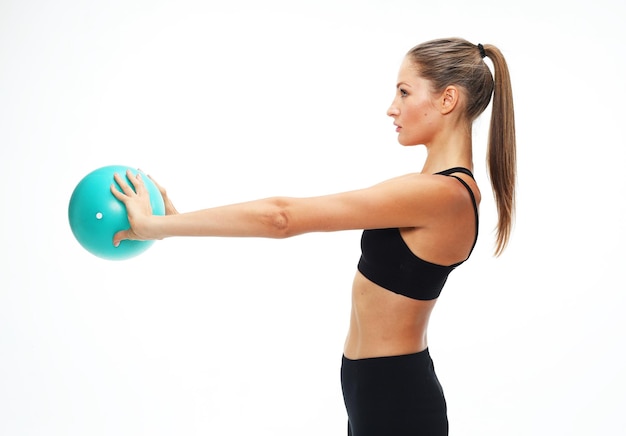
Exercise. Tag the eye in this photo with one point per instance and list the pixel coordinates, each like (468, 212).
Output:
(402, 92)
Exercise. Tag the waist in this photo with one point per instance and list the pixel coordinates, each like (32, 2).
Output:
(383, 323)
(418, 356)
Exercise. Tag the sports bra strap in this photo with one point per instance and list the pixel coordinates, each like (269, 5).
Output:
(471, 193)
(456, 170)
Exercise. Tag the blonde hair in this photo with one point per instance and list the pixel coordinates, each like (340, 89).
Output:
(455, 61)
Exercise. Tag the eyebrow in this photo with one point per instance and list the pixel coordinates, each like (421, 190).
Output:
(402, 83)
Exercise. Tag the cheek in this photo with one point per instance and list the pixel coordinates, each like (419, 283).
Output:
(416, 113)
(416, 121)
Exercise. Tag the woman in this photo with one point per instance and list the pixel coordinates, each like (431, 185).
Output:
(417, 229)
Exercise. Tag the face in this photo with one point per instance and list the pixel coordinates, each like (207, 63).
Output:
(413, 108)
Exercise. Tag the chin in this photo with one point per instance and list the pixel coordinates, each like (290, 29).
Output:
(407, 143)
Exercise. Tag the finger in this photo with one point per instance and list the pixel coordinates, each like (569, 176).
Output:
(169, 206)
(137, 182)
(127, 190)
(159, 187)
(116, 193)
(122, 235)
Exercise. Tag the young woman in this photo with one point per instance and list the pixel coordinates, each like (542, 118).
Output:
(417, 229)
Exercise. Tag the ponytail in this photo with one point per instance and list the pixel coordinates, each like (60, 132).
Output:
(501, 149)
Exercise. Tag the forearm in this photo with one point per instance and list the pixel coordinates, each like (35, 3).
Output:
(261, 218)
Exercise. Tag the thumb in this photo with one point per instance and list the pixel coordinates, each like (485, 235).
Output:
(121, 236)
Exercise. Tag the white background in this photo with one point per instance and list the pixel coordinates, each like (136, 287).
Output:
(224, 103)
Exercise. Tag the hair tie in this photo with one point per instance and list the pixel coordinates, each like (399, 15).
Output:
(481, 49)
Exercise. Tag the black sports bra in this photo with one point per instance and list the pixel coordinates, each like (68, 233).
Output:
(387, 261)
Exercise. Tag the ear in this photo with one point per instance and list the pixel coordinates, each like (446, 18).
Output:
(449, 99)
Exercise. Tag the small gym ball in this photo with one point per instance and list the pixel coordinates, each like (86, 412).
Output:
(95, 214)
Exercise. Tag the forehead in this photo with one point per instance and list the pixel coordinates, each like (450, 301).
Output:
(409, 72)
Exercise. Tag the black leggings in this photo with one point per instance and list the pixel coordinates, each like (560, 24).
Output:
(393, 396)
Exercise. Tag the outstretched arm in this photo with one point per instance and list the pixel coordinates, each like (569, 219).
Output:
(408, 201)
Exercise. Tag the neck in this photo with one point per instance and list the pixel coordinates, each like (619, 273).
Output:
(453, 150)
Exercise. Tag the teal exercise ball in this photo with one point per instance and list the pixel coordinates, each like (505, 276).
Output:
(95, 215)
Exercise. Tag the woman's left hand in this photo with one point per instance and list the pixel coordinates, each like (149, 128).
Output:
(169, 206)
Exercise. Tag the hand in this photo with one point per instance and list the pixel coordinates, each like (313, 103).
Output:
(169, 206)
(138, 208)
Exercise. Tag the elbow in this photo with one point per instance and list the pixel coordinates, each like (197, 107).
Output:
(279, 220)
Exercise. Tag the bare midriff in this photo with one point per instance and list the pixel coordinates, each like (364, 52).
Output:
(383, 323)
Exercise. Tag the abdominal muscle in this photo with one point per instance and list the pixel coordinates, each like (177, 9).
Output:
(383, 323)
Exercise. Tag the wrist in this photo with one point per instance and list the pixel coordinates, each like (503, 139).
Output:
(155, 227)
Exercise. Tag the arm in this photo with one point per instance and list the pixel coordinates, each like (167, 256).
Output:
(409, 201)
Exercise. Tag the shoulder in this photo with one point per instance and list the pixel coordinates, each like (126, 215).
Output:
(411, 200)
(433, 188)
(430, 197)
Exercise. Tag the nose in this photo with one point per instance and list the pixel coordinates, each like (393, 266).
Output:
(393, 111)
